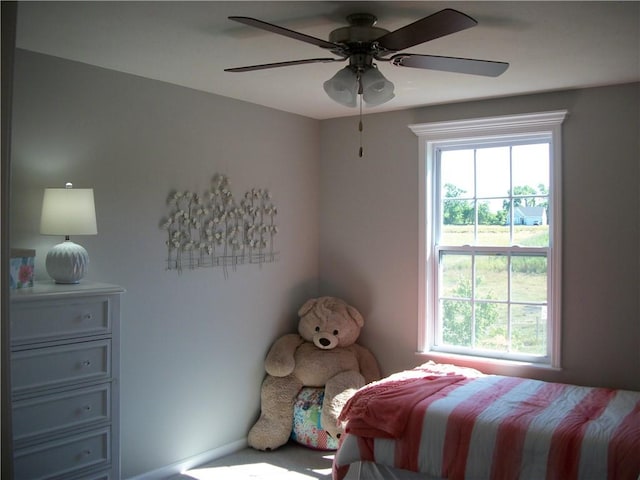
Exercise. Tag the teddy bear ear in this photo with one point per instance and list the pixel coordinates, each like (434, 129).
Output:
(356, 315)
(308, 305)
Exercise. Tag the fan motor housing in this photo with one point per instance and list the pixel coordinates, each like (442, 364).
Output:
(361, 29)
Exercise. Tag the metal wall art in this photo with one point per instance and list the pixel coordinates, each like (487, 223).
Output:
(215, 230)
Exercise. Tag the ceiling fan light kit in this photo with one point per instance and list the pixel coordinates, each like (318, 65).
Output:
(345, 86)
(362, 42)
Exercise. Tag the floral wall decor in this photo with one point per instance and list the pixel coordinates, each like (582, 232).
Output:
(216, 230)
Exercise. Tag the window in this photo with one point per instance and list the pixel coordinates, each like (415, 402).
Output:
(490, 225)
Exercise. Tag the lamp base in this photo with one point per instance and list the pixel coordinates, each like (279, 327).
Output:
(67, 262)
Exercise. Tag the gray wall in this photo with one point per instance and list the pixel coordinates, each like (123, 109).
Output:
(369, 228)
(193, 344)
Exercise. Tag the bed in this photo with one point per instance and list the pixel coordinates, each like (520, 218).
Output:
(446, 422)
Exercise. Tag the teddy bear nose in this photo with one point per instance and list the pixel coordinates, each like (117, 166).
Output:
(325, 342)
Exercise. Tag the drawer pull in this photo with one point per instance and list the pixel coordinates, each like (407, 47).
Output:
(86, 363)
(86, 408)
(86, 316)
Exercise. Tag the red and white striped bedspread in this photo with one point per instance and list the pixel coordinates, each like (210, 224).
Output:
(474, 426)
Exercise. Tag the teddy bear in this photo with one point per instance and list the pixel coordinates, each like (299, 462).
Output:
(323, 353)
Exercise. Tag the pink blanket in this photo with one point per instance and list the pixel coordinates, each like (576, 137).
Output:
(453, 425)
(383, 410)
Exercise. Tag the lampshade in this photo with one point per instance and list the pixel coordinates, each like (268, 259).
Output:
(376, 89)
(343, 87)
(68, 211)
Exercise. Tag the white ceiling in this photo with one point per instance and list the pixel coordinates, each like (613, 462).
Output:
(550, 46)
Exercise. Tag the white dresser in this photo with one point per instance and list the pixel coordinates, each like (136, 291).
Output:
(65, 366)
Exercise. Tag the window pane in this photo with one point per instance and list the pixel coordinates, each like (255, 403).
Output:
(531, 225)
(458, 212)
(529, 210)
(496, 235)
(536, 236)
(455, 274)
(492, 326)
(529, 329)
(457, 222)
(531, 167)
(529, 278)
(456, 235)
(493, 172)
(456, 177)
(492, 223)
(456, 322)
(492, 277)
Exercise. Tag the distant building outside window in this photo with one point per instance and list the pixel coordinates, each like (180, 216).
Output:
(490, 225)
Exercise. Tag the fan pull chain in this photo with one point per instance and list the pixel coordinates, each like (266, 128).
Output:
(360, 129)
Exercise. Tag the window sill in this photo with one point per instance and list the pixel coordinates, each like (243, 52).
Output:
(490, 365)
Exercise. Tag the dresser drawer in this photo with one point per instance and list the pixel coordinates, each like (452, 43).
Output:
(63, 457)
(48, 414)
(35, 321)
(63, 364)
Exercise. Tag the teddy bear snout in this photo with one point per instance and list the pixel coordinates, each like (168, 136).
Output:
(325, 341)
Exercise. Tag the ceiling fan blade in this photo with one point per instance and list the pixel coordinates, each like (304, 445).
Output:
(471, 66)
(286, 32)
(434, 26)
(283, 64)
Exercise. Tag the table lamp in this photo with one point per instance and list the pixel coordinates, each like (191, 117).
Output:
(68, 211)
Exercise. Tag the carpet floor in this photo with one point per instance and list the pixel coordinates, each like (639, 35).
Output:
(289, 462)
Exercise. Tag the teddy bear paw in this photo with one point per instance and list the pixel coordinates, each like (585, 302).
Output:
(268, 434)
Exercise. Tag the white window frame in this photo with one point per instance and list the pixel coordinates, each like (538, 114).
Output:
(435, 135)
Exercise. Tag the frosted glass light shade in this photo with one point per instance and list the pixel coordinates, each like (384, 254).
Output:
(68, 211)
(343, 87)
(376, 89)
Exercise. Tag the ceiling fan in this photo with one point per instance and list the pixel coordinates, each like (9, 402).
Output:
(362, 42)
